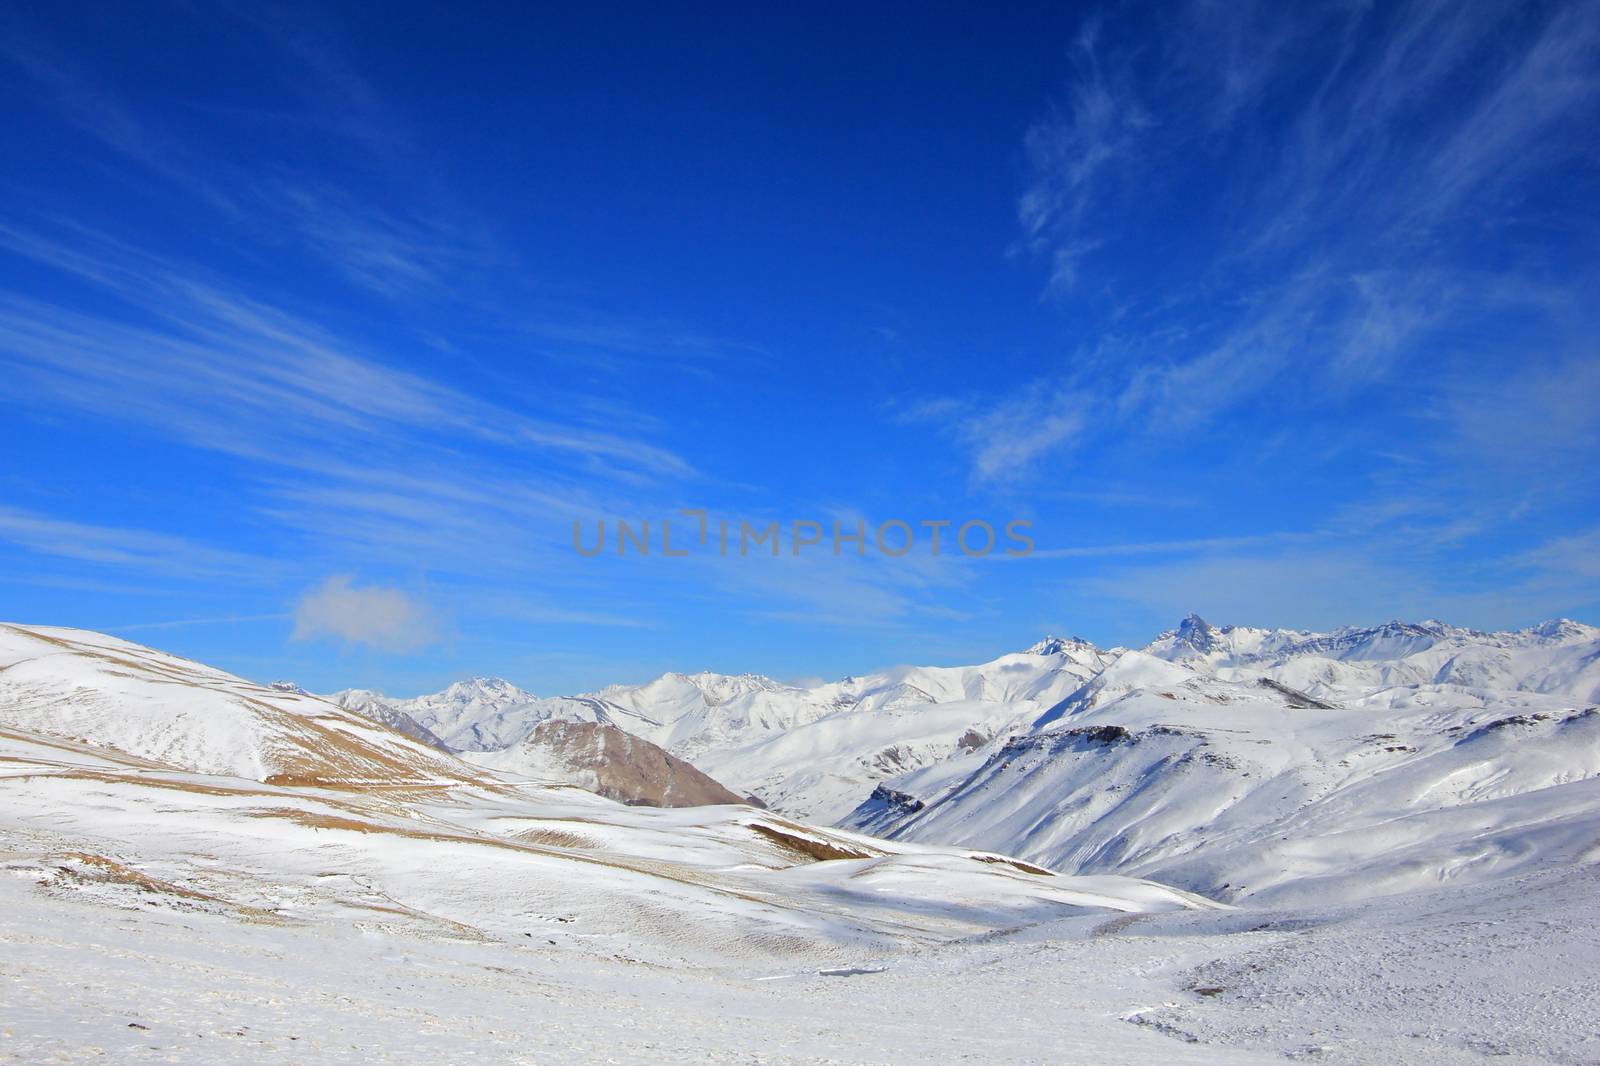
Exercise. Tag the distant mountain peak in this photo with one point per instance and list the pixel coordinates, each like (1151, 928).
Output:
(485, 689)
(1197, 633)
(1054, 645)
(493, 684)
(1563, 629)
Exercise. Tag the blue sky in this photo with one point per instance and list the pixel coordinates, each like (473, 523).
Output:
(320, 327)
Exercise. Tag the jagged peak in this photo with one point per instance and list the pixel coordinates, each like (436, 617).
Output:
(496, 685)
(1196, 633)
(1054, 645)
(1562, 629)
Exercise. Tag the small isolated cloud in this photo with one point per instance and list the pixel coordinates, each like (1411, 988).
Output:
(380, 617)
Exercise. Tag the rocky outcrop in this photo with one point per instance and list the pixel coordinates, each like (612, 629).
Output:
(611, 762)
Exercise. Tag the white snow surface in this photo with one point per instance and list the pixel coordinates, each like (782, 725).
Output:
(812, 752)
(192, 870)
(1285, 766)
(100, 690)
(819, 752)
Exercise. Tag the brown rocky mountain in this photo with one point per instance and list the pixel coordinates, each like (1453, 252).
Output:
(609, 761)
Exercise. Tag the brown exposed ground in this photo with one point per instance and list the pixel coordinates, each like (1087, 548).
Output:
(1018, 864)
(626, 767)
(809, 848)
(75, 868)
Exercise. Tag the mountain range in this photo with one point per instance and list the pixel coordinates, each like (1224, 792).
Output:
(1228, 760)
(1231, 845)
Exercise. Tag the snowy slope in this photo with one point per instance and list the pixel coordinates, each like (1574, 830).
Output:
(99, 690)
(818, 752)
(694, 712)
(149, 913)
(1560, 657)
(569, 740)
(1200, 762)
(812, 752)
(493, 859)
(815, 752)
(1231, 760)
(374, 706)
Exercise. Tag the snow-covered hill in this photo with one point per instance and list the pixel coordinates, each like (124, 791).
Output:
(691, 714)
(1231, 760)
(812, 752)
(113, 694)
(886, 724)
(1282, 765)
(371, 705)
(819, 752)
(1560, 657)
(570, 739)
(135, 776)
(150, 912)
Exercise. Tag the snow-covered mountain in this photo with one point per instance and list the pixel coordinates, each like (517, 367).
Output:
(1560, 657)
(888, 723)
(1192, 760)
(572, 739)
(1283, 765)
(326, 887)
(691, 714)
(820, 751)
(139, 779)
(813, 752)
(488, 713)
(170, 712)
(374, 706)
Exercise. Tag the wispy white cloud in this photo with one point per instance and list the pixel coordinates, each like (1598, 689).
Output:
(1072, 151)
(1337, 578)
(97, 110)
(1352, 156)
(387, 253)
(1549, 89)
(185, 623)
(1374, 560)
(1168, 547)
(344, 456)
(134, 549)
(1007, 437)
(1566, 561)
(1550, 409)
(398, 254)
(228, 371)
